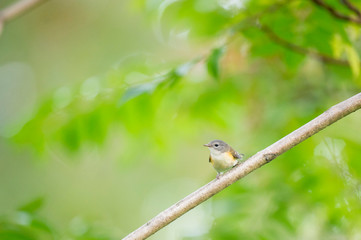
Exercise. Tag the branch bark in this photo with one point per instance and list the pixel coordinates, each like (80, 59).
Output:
(301, 50)
(16, 9)
(332, 115)
(336, 13)
(253, 21)
(352, 7)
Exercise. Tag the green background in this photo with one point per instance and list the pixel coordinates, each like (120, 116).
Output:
(105, 106)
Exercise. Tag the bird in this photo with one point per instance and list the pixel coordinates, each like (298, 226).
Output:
(222, 156)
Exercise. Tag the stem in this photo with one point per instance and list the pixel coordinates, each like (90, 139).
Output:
(16, 9)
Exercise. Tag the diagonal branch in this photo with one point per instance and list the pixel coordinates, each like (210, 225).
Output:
(17, 9)
(336, 13)
(301, 50)
(352, 7)
(332, 115)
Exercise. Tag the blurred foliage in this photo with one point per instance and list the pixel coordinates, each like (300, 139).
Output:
(26, 223)
(152, 110)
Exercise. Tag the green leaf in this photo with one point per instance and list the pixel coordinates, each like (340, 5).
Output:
(184, 68)
(213, 62)
(32, 206)
(95, 126)
(15, 235)
(138, 90)
(337, 45)
(71, 136)
(353, 60)
(41, 225)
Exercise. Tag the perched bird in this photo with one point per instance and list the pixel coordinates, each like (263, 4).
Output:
(222, 156)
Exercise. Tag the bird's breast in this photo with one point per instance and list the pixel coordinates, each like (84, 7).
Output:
(223, 161)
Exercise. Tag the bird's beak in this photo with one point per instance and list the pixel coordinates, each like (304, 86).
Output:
(207, 145)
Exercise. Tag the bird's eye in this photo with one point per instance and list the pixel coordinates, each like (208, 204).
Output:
(216, 145)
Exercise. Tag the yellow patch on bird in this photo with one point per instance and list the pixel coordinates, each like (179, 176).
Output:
(230, 155)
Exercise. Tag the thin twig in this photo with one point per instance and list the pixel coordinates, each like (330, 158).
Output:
(253, 21)
(335, 13)
(352, 7)
(301, 50)
(332, 115)
(253, 18)
(17, 9)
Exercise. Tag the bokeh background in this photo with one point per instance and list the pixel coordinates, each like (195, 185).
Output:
(105, 106)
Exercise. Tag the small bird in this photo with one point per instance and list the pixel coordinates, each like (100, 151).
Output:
(222, 156)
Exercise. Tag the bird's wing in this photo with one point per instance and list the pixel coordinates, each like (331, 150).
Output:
(236, 155)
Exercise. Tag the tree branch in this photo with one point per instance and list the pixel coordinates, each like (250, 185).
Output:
(17, 9)
(253, 21)
(305, 51)
(335, 13)
(352, 7)
(259, 159)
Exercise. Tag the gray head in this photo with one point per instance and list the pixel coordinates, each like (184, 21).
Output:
(218, 145)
